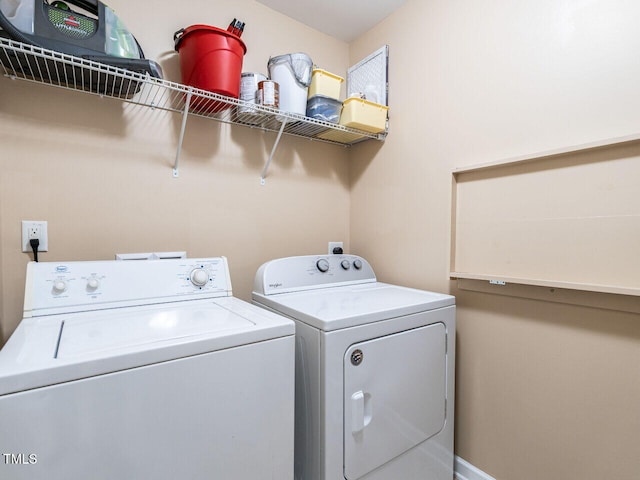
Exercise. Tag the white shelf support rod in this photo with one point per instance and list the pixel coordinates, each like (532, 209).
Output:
(185, 114)
(273, 151)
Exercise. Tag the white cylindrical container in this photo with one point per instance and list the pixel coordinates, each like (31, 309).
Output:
(19, 13)
(292, 72)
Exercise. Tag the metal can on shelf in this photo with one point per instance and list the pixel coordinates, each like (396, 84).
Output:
(249, 87)
(268, 93)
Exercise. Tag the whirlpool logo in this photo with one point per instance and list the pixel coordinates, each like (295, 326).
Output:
(275, 285)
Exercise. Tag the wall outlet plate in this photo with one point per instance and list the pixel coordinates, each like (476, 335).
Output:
(333, 245)
(35, 229)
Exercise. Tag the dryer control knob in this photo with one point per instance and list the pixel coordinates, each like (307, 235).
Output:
(345, 264)
(323, 265)
(59, 286)
(199, 277)
(93, 284)
(357, 264)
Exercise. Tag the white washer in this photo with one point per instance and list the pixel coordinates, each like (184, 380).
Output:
(145, 370)
(374, 370)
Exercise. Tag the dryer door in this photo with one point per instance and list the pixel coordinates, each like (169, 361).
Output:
(394, 396)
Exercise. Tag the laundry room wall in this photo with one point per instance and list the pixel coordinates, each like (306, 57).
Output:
(544, 390)
(100, 171)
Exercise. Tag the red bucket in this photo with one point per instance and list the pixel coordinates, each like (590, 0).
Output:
(210, 59)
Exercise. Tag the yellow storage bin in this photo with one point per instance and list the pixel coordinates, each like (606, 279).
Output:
(364, 115)
(325, 83)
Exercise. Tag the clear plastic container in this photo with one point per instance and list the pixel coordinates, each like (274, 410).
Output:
(119, 41)
(19, 13)
(324, 108)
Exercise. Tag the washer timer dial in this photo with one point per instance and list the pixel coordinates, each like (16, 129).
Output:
(199, 277)
(59, 286)
(93, 283)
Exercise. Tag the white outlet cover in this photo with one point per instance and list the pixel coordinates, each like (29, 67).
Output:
(44, 235)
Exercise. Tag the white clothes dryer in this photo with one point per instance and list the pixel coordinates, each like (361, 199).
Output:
(145, 370)
(374, 370)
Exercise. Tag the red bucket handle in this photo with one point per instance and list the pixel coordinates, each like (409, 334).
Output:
(176, 38)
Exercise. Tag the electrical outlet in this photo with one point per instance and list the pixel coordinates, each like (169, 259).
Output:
(35, 229)
(333, 245)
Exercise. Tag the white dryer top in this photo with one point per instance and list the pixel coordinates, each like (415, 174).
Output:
(338, 297)
(138, 313)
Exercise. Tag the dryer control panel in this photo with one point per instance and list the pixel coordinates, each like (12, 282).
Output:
(64, 287)
(293, 274)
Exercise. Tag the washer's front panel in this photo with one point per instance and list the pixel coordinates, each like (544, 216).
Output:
(394, 396)
(221, 415)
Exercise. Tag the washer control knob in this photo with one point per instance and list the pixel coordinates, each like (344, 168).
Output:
(323, 265)
(357, 264)
(345, 264)
(93, 284)
(59, 286)
(199, 277)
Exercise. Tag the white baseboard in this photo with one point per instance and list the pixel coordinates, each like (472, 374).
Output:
(465, 471)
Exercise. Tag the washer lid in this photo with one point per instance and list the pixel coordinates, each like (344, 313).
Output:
(62, 348)
(84, 337)
(348, 306)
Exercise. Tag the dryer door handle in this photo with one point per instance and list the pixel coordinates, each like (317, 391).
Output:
(361, 411)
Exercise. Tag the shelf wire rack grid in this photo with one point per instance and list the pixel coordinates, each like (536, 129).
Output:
(39, 65)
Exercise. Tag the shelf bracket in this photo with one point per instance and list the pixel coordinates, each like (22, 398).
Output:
(273, 151)
(185, 114)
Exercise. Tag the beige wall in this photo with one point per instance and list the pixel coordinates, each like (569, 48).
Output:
(99, 171)
(544, 390)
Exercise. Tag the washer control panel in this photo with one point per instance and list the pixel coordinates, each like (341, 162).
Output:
(307, 272)
(76, 285)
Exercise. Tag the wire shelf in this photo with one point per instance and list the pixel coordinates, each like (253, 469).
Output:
(27, 62)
